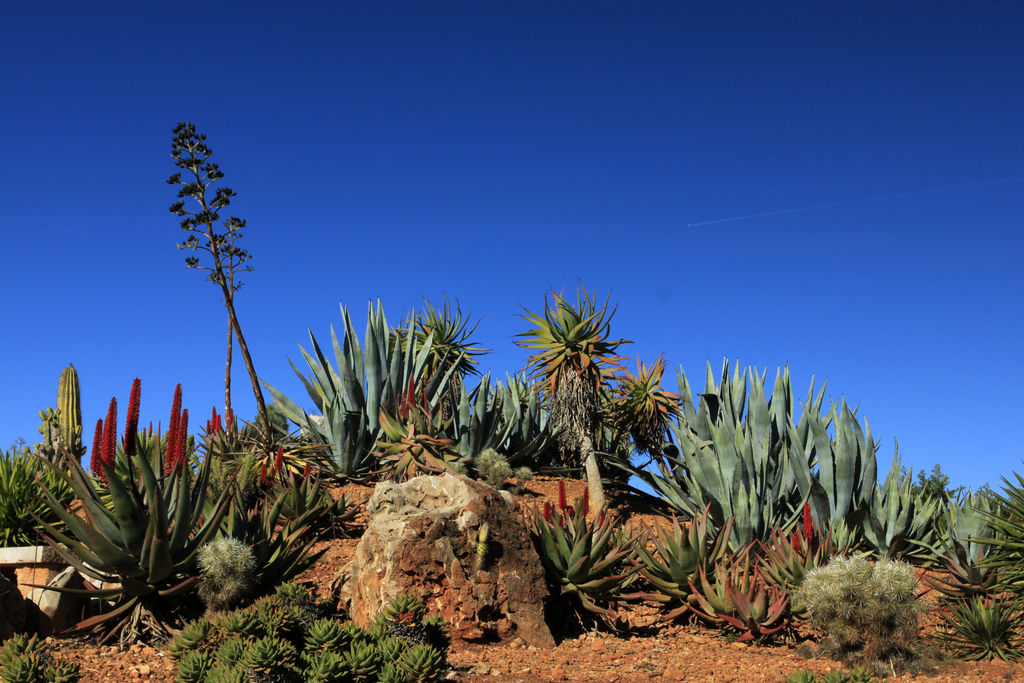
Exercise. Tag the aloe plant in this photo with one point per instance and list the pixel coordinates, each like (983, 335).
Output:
(901, 522)
(142, 544)
(737, 596)
(674, 561)
(583, 559)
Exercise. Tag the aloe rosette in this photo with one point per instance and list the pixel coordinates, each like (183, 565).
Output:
(582, 558)
(141, 545)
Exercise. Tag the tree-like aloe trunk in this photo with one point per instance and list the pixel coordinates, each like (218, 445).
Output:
(593, 475)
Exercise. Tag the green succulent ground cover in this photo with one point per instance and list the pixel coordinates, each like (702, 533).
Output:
(288, 637)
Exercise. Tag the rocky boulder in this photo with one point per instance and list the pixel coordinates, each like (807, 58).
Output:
(424, 537)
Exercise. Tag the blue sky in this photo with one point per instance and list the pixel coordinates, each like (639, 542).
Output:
(492, 151)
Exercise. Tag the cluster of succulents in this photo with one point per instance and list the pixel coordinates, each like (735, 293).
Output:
(585, 559)
(24, 659)
(288, 637)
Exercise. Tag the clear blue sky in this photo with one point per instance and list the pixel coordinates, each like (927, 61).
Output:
(492, 151)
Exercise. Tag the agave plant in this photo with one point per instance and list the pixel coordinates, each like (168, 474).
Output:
(282, 547)
(738, 596)
(1006, 548)
(583, 559)
(675, 560)
(961, 549)
(410, 443)
(735, 453)
(369, 380)
(142, 545)
(529, 436)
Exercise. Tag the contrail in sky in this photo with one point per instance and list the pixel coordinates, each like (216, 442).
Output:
(849, 202)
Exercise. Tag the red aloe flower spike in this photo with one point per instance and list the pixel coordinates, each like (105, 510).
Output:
(109, 451)
(230, 419)
(182, 438)
(279, 459)
(585, 504)
(549, 511)
(97, 449)
(306, 470)
(131, 423)
(561, 495)
(172, 429)
(795, 541)
(263, 472)
(808, 524)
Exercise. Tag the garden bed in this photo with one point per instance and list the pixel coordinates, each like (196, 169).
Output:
(644, 650)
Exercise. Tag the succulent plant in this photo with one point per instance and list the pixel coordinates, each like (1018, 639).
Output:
(402, 618)
(144, 543)
(410, 444)
(220, 673)
(582, 559)
(366, 382)
(326, 667)
(363, 660)
(242, 623)
(868, 613)
(227, 567)
(230, 652)
(961, 549)
(21, 507)
(642, 409)
(675, 559)
(738, 597)
(981, 627)
(786, 558)
(268, 656)
(421, 663)
(193, 666)
(189, 639)
(324, 635)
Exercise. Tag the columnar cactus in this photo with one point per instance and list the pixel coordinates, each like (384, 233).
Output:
(69, 410)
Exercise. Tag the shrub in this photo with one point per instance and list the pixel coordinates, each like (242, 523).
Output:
(868, 613)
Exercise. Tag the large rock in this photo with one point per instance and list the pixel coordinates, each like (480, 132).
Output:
(12, 609)
(422, 538)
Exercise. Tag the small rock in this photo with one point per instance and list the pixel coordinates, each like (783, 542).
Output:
(145, 670)
(481, 668)
(148, 652)
(558, 673)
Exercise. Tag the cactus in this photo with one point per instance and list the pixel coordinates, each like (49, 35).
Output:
(227, 572)
(69, 411)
